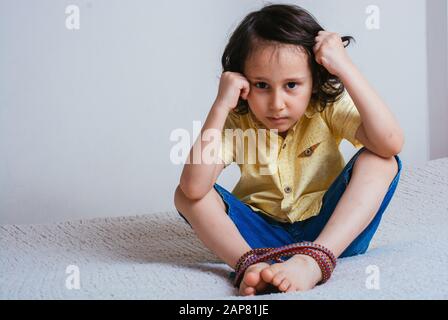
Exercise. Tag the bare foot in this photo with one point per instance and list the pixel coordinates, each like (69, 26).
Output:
(299, 273)
(252, 282)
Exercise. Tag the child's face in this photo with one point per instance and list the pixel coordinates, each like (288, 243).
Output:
(280, 85)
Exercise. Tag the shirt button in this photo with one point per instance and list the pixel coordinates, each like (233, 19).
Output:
(287, 189)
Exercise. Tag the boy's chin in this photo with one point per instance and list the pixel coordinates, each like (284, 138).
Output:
(280, 128)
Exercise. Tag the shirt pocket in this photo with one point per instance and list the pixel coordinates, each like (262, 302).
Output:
(311, 146)
(313, 142)
(308, 151)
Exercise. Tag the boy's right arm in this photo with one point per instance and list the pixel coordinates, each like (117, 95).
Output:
(197, 179)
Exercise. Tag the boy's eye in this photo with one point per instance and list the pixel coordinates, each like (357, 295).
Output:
(262, 83)
(291, 85)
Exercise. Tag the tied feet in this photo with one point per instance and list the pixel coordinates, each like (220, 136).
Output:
(299, 273)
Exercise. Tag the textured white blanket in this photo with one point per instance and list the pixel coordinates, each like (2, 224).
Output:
(157, 256)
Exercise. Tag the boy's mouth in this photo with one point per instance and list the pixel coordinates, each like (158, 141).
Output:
(277, 120)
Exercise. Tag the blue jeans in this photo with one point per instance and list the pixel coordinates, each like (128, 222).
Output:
(261, 231)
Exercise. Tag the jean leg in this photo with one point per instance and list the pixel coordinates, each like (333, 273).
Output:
(314, 226)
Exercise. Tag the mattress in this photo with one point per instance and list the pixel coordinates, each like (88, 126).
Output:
(157, 255)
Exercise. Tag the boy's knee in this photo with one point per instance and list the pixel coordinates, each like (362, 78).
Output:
(179, 201)
(370, 160)
(183, 202)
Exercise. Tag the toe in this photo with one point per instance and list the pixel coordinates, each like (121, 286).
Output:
(278, 278)
(267, 274)
(245, 289)
(252, 281)
(284, 285)
(249, 291)
(252, 278)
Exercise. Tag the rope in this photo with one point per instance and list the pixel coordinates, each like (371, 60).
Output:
(324, 258)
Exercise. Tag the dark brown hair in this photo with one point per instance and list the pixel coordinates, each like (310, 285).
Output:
(279, 24)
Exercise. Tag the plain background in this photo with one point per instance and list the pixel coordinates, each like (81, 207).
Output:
(86, 115)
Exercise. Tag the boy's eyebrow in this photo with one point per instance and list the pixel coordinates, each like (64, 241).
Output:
(287, 79)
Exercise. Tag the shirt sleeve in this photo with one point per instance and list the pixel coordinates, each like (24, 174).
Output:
(227, 143)
(343, 119)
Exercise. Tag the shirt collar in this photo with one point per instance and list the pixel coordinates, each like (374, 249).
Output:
(310, 111)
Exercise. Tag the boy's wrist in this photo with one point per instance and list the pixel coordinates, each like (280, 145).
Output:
(221, 108)
(346, 72)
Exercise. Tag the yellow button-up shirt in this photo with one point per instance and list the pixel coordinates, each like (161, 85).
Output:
(286, 178)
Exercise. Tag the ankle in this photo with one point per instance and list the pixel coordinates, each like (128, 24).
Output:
(312, 264)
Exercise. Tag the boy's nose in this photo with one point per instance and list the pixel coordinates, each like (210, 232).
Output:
(277, 103)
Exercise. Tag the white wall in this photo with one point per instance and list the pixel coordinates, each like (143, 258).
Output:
(437, 55)
(86, 115)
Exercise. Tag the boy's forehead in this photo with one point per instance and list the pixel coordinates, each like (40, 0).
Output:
(285, 61)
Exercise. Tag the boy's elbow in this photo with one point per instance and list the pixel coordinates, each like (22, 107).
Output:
(398, 145)
(395, 145)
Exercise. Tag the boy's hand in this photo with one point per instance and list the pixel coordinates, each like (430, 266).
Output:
(232, 86)
(329, 51)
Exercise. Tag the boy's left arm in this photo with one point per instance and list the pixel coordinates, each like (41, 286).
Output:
(379, 131)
